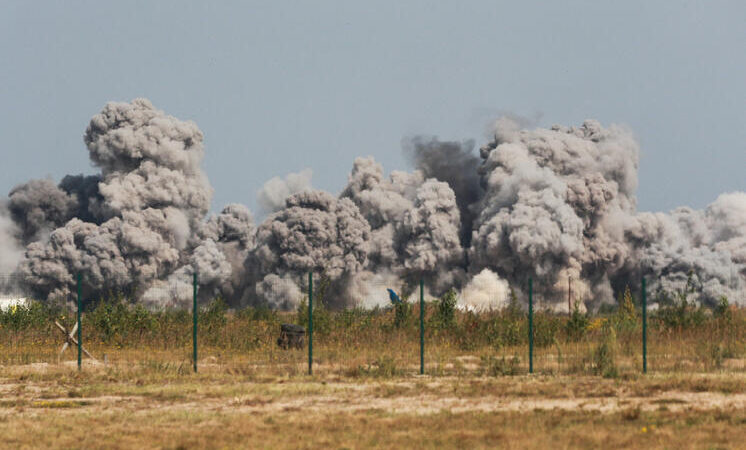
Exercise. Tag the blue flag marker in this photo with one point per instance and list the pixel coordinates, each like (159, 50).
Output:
(393, 297)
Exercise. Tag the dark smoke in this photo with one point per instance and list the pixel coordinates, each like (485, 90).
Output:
(456, 164)
(84, 188)
(38, 207)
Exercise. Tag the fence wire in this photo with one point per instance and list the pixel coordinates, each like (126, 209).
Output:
(376, 334)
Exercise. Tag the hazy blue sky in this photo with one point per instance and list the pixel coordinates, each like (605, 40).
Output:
(280, 86)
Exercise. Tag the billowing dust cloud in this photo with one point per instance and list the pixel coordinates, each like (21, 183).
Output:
(554, 204)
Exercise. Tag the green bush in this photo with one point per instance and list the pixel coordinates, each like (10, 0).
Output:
(509, 327)
(258, 313)
(355, 318)
(679, 316)
(115, 322)
(577, 325)
(676, 312)
(212, 316)
(322, 317)
(403, 310)
(604, 357)
(547, 328)
(22, 317)
(445, 311)
(471, 332)
(402, 314)
(723, 310)
(625, 319)
(506, 330)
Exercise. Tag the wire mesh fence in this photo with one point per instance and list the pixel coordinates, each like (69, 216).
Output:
(380, 333)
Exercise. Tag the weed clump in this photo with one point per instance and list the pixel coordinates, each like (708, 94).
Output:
(625, 319)
(322, 317)
(119, 323)
(445, 312)
(677, 312)
(23, 317)
(604, 357)
(577, 325)
(497, 367)
(383, 367)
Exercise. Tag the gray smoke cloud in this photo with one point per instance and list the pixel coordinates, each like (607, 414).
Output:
(214, 269)
(415, 225)
(229, 236)
(277, 292)
(84, 189)
(148, 160)
(549, 204)
(39, 206)
(272, 195)
(727, 225)
(383, 203)
(150, 197)
(11, 250)
(454, 163)
(234, 225)
(560, 203)
(706, 249)
(428, 237)
(315, 232)
(552, 205)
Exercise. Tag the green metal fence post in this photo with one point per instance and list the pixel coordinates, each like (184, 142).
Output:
(194, 321)
(422, 327)
(644, 328)
(310, 323)
(530, 325)
(80, 325)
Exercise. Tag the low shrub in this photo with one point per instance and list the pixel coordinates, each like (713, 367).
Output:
(22, 317)
(577, 325)
(445, 311)
(604, 357)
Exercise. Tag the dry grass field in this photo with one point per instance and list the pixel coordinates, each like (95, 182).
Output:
(55, 406)
(587, 390)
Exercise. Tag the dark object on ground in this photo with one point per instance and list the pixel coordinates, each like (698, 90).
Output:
(291, 336)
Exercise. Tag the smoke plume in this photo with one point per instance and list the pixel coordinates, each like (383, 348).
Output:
(560, 204)
(554, 205)
(383, 203)
(272, 195)
(38, 207)
(455, 164)
(151, 197)
(415, 225)
(231, 234)
(11, 251)
(428, 237)
(315, 232)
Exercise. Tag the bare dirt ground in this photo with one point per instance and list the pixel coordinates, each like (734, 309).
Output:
(104, 407)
